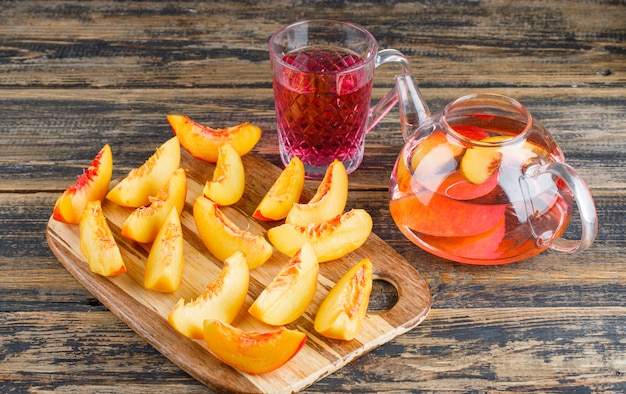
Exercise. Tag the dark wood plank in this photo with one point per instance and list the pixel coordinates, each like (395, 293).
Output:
(75, 75)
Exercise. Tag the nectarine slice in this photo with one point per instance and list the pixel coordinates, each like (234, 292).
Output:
(145, 181)
(341, 313)
(97, 242)
(143, 224)
(331, 239)
(221, 299)
(481, 161)
(429, 213)
(223, 237)
(253, 352)
(291, 291)
(228, 183)
(203, 142)
(92, 184)
(435, 154)
(457, 187)
(480, 248)
(329, 199)
(285, 192)
(164, 268)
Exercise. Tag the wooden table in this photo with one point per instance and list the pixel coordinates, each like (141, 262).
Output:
(76, 75)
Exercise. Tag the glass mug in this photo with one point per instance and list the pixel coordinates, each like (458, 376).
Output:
(482, 182)
(322, 74)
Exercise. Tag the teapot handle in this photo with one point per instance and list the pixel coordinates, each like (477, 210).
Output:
(584, 201)
(384, 105)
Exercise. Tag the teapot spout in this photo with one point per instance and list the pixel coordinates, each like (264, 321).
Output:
(413, 108)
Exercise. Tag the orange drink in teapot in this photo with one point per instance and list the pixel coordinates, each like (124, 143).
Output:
(484, 183)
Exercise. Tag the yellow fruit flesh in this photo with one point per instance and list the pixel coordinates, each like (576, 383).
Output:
(145, 181)
(285, 192)
(97, 242)
(92, 184)
(251, 351)
(331, 240)
(341, 313)
(329, 200)
(164, 267)
(143, 224)
(228, 182)
(289, 294)
(223, 238)
(221, 299)
(203, 142)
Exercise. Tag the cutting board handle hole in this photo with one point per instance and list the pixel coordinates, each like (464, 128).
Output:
(383, 297)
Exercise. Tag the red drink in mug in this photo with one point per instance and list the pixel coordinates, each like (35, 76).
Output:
(322, 76)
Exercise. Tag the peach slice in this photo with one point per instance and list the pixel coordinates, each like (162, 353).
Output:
(164, 268)
(429, 213)
(221, 299)
(457, 187)
(143, 224)
(291, 291)
(331, 240)
(341, 313)
(92, 184)
(285, 192)
(228, 183)
(253, 352)
(97, 242)
(479, 163)
(483, 246)
(145, 181)
(223, 237)
(329, 199)
(435, 154)
(203, 142)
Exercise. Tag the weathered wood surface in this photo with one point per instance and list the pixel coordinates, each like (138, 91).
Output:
(76, 75)
(146, 311)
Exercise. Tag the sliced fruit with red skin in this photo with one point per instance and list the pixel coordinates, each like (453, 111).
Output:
(434, 155)
(97, 242)
(285, 192)
(164, 268)
(223, 237)
(92, 184)
(252, 351)
(329, 199)
(457, 187)
(221, 299)
(145, 181)
(403, 176)
(429, 213)
(331, 240)
(203, 142)
(429, 163)
(341, 313)
(291, 291)
(479, 163)
(143, 224)
(483, 246)
(471, 132)
(229, 180)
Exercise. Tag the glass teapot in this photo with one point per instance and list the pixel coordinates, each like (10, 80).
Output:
(482, 182)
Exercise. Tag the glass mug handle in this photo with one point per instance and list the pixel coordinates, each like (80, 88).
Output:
(584, 201)
(384, 105)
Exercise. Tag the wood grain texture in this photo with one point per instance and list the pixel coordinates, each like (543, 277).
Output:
(146, 311)
(75, 75)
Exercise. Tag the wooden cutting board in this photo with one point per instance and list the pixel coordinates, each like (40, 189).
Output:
(146, 311)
